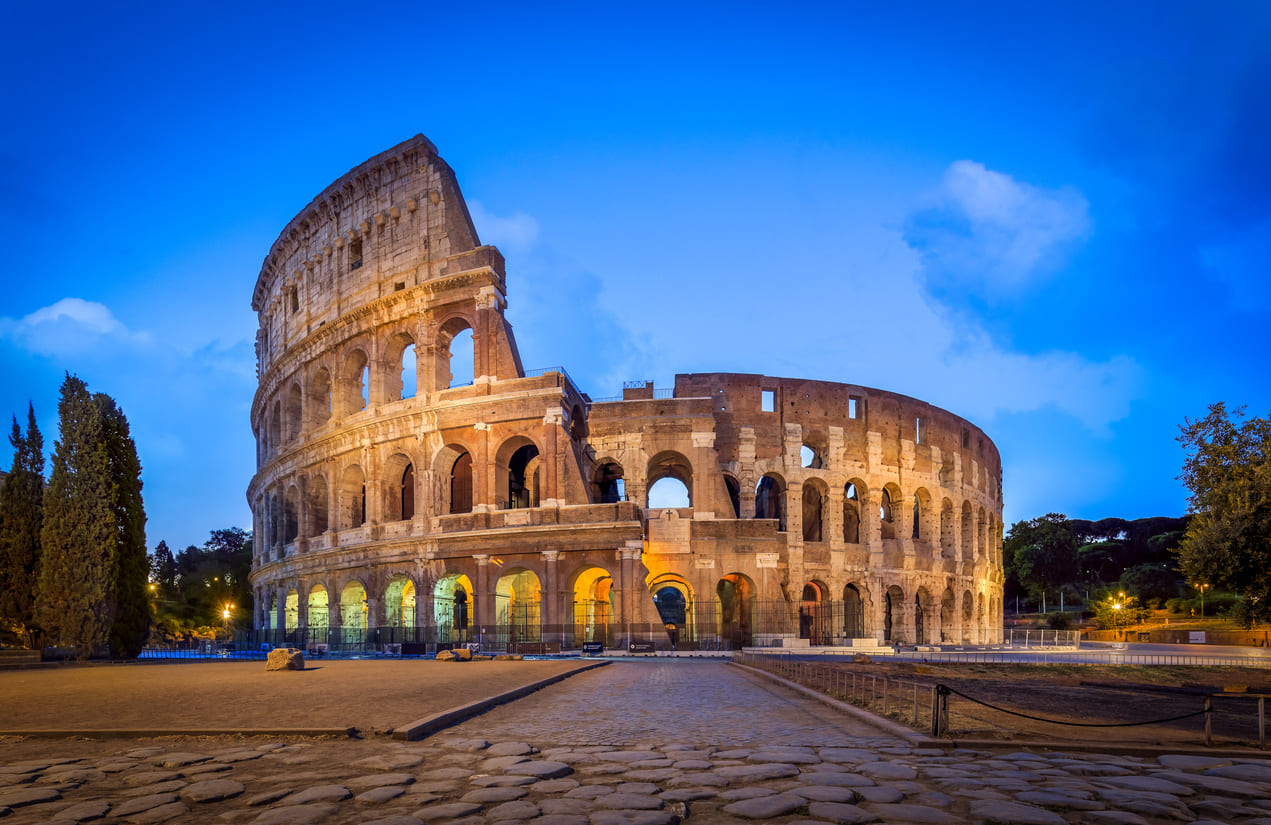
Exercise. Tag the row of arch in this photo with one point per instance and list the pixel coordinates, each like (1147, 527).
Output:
(449, 608)
(351, 380)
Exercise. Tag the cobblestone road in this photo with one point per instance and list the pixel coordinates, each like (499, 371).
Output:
(687, 701)
(634, 743)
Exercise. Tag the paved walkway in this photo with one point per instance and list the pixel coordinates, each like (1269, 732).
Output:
(635, 743)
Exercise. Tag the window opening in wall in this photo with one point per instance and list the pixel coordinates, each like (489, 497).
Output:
(885, 516)
(521, 480)
(361, 506)
(461, 485)
(966, 438)
(808, 458)
(851, 515)
(610, 486)
(355, 254)
(734, 494)
(399, 286)
(409, 372)
(668, 493)
(853, 407)
(295, 300)
(917, 533)
(920, 430)
(770, 501)
(768, 401)
(408, 492)
(365, 389)
(462, 359)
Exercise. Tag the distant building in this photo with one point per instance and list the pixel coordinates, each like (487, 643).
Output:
(392, 503)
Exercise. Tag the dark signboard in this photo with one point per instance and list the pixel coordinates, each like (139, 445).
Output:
(641, 647)
(593, 647)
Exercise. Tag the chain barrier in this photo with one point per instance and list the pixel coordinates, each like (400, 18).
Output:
(945, 690)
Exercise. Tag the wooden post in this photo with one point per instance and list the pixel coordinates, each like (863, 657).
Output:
(884, 696)
(915, 704)
(1209, 706)
(1262, 722)
(935, 711)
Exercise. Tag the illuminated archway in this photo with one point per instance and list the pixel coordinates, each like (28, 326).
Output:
(517, 606)
(452, 608)
(736, 598)
(399, 602)
(592, 606)
(354, 613)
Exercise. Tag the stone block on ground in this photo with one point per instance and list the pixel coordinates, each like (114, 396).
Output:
(285, 658)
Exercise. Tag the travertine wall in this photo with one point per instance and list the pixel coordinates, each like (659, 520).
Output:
(817, 510)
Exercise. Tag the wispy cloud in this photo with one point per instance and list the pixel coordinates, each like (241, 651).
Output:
(70, 326)
(516, 233)
(988, 231)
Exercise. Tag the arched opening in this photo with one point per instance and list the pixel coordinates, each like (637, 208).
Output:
(578, 429)
(523, 478)
(814, 615)
(275, 523)
(670, 479)
(981, 536)
(608, 485)
(320, 397)
(352, 498)
(275, 428)
(291, 611)
(356, 381)
(734, 494)
(893, 615)
(399, 602)
(667, 493)
(968, 532)
(917, 525)
(294, 412)
(452, 608)
(851, 515)
(813, 496)
(948, 615)
(461, 484)
(410, 372)
(457, 353)
(948, 546)
(922, 603)
(770, 498)
(674, 602)
(809, 457)
(291, 509)
(968, 623)
(517, 601)
(924, 517)
(406, 492)
(885, 516)
(354, 614)
(319, 518)
(735, 594)
(592, 607)
(318, 610)
(853, 613)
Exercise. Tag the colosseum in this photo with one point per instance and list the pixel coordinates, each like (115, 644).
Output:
(405, 497)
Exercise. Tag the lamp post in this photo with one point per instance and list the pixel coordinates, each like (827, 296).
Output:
(1202, 588)
(225, 616)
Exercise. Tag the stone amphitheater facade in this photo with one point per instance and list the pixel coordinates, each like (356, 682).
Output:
(392, 507)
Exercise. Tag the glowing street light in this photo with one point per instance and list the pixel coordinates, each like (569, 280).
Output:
(1202, 588)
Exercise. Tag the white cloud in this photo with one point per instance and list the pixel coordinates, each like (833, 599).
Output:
(516, 233)
(68, 327)
(986, 229)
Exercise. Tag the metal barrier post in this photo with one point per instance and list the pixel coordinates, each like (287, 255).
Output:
(1262, 722)
(935, 711)
(884, 696)
(915, 704)
(1209, 706)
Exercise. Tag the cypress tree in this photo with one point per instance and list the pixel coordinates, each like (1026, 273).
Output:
(130, 564)
(78, 538)
(21, 515)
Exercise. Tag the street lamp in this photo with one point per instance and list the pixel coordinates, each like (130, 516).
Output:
(225, 615)
(1116, 621)
(1202, 588)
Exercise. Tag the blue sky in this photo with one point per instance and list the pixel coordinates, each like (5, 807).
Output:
(1053, 220)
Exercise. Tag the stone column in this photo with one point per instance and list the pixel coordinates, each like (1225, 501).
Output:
(280, 610)
(549, 492)
(483, 599)
(549, 606)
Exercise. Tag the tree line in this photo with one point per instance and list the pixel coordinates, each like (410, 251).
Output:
(73, 561)
(1223, 544)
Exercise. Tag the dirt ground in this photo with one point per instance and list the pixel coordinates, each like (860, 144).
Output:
(1089, 695)
(231, 696)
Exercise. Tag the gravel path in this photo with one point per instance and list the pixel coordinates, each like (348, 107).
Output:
(233, 696)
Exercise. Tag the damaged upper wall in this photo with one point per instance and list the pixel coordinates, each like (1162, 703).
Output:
(391, 223)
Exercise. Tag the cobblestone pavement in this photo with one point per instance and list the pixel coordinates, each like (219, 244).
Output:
(629, 744)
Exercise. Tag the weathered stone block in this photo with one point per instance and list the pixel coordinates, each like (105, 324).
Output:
(285, 658)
